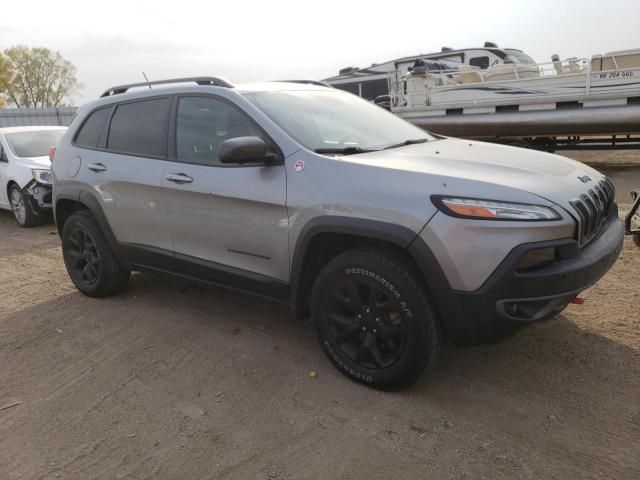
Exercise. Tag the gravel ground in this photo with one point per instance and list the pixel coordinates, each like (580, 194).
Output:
(171, 380)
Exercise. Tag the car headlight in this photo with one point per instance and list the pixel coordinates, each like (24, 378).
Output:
(493, 210)
(42, 176)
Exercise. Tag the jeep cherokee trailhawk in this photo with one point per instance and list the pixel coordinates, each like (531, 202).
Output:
(390, 238)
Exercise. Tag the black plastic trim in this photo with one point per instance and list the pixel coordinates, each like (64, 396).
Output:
(575, 270)
(88, 199)
(376, 229)
(373, 229)
(143, 257)
(202, 81)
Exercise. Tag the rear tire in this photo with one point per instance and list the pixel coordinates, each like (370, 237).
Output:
(90, 262)
(21, 208)
(374, 319)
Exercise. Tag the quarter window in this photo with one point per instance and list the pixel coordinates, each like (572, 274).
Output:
(203, 124)
(89, 134)
(140, 127)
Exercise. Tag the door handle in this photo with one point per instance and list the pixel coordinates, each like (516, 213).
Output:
(179, 178)
(96, 167)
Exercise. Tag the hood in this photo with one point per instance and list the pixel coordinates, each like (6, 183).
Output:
(552, 177)
(35, 162)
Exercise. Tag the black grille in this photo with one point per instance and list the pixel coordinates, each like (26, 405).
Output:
(593, 208)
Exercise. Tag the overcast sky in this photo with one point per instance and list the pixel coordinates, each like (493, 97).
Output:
(113, 42)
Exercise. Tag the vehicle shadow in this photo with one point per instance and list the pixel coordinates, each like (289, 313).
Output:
(558, 353)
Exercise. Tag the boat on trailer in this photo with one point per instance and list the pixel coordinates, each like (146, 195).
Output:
(571, 103)
(373, 81)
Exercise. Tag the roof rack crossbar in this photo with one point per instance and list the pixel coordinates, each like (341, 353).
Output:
(215, 81)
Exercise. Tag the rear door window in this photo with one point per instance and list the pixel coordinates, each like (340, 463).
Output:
(89, 134)
(140, 128)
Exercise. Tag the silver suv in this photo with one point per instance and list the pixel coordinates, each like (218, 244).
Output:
(391, 238)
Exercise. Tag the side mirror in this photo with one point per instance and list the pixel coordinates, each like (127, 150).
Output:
(245, 150)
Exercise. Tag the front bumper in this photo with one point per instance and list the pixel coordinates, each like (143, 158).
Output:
(40, 195)
(511, 298)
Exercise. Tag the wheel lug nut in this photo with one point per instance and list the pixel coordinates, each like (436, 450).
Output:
(375, 331)
(364, 329)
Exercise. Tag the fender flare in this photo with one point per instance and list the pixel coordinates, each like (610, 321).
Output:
(398, 235)
(89, 200)
(436, 281)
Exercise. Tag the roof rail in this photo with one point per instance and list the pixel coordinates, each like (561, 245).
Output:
(215, 81)
(310, 82)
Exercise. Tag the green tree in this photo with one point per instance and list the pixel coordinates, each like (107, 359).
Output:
(36, 77)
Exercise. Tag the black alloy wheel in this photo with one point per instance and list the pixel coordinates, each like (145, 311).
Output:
(84, 256)
(366, 323)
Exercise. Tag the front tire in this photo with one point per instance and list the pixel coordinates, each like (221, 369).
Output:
(374, 319)
(21, 209)
(90, 262)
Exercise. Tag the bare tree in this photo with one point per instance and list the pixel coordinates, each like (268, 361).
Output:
(36, 77)
(3, 102)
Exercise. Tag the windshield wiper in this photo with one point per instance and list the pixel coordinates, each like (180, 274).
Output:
(407, 142)
(344, 151)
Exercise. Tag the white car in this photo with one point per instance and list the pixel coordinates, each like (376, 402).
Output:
(25, 172)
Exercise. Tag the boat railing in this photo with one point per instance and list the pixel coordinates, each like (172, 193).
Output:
(465, 74)
(607, 66)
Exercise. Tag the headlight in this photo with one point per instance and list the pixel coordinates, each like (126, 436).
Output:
(492, 210)
(42, 176)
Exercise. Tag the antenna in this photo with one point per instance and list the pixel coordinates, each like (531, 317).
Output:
(147, 80)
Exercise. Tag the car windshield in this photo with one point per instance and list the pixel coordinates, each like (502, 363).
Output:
(332, 120)
(35, 143)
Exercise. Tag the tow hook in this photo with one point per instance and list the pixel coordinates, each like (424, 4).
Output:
(577, 301)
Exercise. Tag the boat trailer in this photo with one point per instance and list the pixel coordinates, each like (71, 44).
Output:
(632, 220)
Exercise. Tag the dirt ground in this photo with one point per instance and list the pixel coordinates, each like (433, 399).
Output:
(171, 380)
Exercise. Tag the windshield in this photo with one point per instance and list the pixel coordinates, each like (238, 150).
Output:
(521, 57)
(335, 120)
(33, 143)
